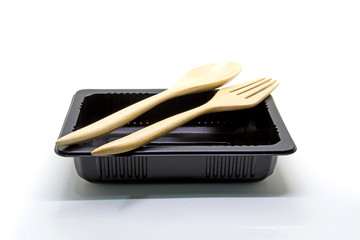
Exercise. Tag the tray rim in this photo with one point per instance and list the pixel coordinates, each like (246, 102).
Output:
(285, 146)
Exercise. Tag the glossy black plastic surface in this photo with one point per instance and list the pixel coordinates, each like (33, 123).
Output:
(227, 146)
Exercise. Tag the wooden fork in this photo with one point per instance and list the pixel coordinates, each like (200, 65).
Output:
(231, 98)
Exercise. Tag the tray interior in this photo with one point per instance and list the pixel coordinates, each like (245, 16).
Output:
(246, 127)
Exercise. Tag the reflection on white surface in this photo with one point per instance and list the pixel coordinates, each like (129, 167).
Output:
(58, 181)
(71, 208)
(75, 188)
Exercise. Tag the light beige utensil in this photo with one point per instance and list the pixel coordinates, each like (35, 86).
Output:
(231, 98)
(200, 79)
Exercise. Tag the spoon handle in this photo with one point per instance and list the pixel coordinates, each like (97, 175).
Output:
(115, 120)
(147, 134)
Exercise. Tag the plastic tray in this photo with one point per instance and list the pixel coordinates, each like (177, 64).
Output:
(228, 146)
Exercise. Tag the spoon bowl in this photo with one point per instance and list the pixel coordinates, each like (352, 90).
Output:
(207, 77)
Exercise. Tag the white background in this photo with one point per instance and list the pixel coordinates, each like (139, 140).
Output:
(51, 49)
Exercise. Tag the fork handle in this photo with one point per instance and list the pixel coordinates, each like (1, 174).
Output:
(148, 134)
(115, 120)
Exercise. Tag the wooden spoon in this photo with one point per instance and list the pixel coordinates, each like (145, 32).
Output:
(231, 98)
(200, 79)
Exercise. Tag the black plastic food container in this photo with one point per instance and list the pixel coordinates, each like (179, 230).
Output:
(237, 146)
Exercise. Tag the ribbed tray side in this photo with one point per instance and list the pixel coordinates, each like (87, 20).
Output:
(127, 167)
(240, 167)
